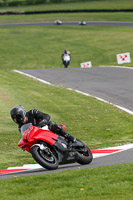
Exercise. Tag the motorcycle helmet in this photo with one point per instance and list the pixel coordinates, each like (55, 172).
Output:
(65, 51)
(18, 114)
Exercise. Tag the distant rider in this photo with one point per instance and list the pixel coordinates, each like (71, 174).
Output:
(66, 56)
(39, 119)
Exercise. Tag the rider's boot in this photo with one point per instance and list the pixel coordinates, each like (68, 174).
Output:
(59, 130)
(67, 135)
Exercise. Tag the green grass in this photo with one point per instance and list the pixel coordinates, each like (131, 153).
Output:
(94, 4)
(110, 182)
(98, 124)
(41, 47)
(123, 16)
(119, 4)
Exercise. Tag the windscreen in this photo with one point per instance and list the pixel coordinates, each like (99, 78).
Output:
(24, 128)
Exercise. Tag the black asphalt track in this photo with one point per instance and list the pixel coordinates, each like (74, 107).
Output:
(114, 159)
(111, 83)
(89, 23)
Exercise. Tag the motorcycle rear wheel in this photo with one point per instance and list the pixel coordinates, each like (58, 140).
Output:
(84, 157)
(46, 160)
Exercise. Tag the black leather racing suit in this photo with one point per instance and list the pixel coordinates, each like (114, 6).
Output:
(40, 119)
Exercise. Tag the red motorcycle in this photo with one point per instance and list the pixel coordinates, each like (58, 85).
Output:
(51, 150)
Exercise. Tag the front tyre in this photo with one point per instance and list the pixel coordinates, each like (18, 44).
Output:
(84, 156)
(44, 156)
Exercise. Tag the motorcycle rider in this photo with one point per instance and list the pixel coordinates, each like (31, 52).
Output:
(39, 119)
(66, 55)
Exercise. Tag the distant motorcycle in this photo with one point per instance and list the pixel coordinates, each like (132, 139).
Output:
(66, 60)
(51, 150)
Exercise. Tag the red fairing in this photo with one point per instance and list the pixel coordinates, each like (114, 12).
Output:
(32, 134)
(22, 143)
(46, 136)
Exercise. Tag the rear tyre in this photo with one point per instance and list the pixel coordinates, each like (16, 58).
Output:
(46, 158)
(84, 156)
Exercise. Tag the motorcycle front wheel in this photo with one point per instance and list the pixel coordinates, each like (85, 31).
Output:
(84, 156)
(45, 157)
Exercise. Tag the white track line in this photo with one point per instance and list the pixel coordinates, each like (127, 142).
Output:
(78, 91)
(95, 155)
(118, 67)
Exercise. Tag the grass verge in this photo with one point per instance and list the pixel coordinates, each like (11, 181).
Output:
(95, 123)
(40, 47)
(123, 16)
(110, 182)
